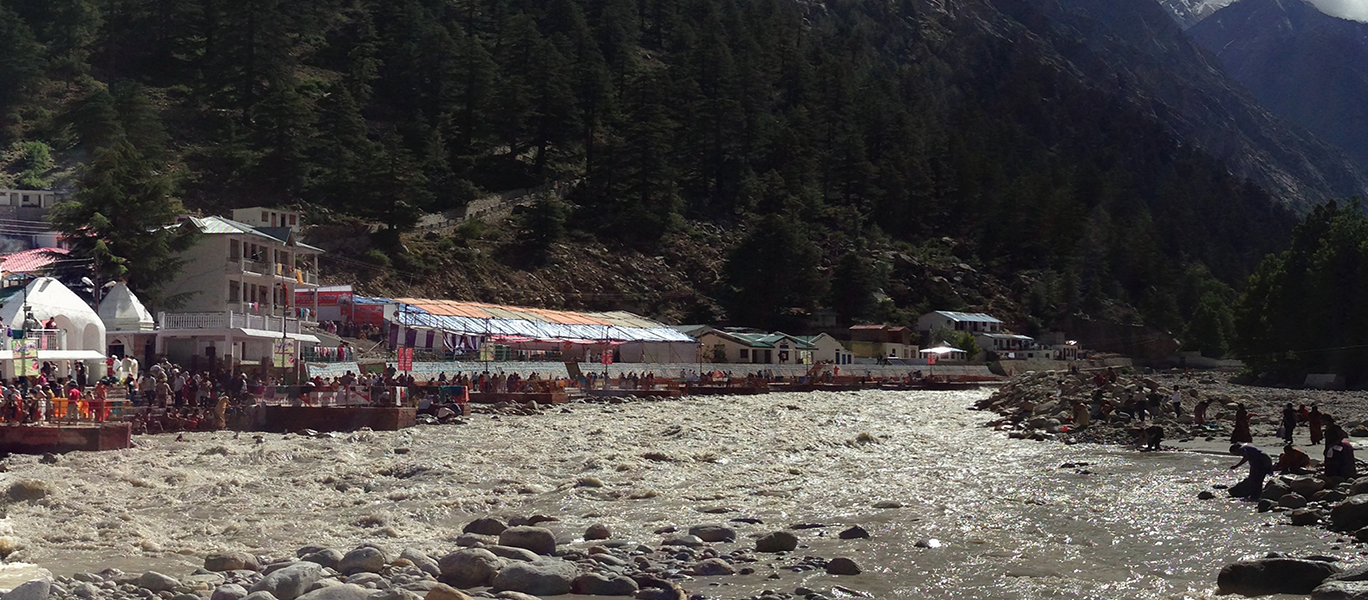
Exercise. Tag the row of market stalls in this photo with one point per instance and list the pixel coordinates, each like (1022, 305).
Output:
(498, 332)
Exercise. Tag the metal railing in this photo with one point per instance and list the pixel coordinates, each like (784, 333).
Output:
(227, 320)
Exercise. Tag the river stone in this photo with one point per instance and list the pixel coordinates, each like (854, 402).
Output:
(484, 526)
(472, 567)
(325, 557)
(1350, 515)
(1357, 572)
(394, 594)
(1306, 486)
(37, 589)
(1275, 488)
(345, 591)
(1205, 495)
(421, 560)
(854, 533)
(547, 577)
(1293, 500)
(778, 541)
(29, 489)
(842, 566)
(594, 584)
(368, 579)
(511, 595)
(713, 533)
(1273, 576)
(1341, 590)
(269, 568)
(157, 582)
(1305, 516)
(597, 531)
(1360, 486)
(229, 591)
(230, 561)
(714, 566)
(442, 591)
(288, 583)
(366, 559)
(536, 539)
(688, 541)
(512, 553)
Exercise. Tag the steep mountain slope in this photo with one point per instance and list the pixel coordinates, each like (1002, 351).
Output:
(1131, 49)
(1189, 12)
(1305, 66)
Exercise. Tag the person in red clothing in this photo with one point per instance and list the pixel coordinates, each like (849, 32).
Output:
(73, 399)
(97, 403)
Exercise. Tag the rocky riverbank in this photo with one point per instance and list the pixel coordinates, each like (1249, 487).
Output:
(489, 560)
(1040, 405)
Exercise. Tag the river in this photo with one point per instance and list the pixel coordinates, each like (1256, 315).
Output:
(1011, 520)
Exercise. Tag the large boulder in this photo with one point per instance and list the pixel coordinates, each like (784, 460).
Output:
(421, 560)
(536, 539)
(37, 589)
(779, 541)
(484, 526)
(157, 582)
(511, 553)
(1273, 576)
(229, 591)
(1341, 590)
(290, 582)
(713, 533)
(1350, 515)
(442, 591)
(1306, 486)
(598, 531)
(346, 591)
(713, 566)
(594, 584)
(1275, 488)
(230, 561)
(472, 567)
(324, 557)
(366, 559)
(549, 577)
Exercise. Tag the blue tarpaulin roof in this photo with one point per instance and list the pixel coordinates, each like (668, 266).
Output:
(473, 318)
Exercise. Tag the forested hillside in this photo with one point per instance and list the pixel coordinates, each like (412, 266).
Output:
(819, 150)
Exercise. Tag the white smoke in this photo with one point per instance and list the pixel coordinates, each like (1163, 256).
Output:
(1354, 10)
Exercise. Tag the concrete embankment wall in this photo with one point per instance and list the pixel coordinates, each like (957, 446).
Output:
(58, 439)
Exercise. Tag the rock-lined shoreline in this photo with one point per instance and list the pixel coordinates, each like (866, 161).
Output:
(518, 561)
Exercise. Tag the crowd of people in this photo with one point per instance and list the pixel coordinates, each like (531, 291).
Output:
(1337, 452)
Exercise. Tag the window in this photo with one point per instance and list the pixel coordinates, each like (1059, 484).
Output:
(745, 354)
(29, 200)
(294, 220)
(264, 216)
(234, 292)
(234, 249)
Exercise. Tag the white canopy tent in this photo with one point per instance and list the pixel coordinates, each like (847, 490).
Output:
(120, 310)
(79, 333)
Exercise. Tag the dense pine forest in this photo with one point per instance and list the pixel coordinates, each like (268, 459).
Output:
(808, 145)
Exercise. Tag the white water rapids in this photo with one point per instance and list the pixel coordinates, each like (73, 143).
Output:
(1012, 523)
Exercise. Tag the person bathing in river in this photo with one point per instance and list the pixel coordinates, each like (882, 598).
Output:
(1199, 411)
(1260, 467)
(1289, 423)
(1241, 434)
(1293, 461)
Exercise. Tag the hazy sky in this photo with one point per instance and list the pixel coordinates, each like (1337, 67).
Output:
(1347, 9)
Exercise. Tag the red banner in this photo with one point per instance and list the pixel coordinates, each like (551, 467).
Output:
(406, 359)
(373, 314)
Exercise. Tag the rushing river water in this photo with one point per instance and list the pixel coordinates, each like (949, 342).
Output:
(1011, 522)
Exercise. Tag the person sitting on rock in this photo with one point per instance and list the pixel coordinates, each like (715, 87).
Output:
(1293, 460)
(1260, 467)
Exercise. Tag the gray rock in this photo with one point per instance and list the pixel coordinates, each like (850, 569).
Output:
(778, 541)
(594, 584)
(713, 533)
(260, 595)
(854, 533)
(714, 566)
(1341, 590)
(1273, 576)
(269, 568)
(86, 590)
(472, 567)
(536, 539)
(1275, 488)
(1305, 516)
(229, 591)
(365, 559)
(688, 541)
(230, 561)
(368, 579)
(37, 589)
(1350, 515)
(325, 557)
(1293, 500)
(157, 582)
(843, 566)
(509, 595)
(421, 560)
(395, 594)
(290, 582)
(1355, 573)
(547, 577)
(1205, 495)
(484, 526)
(597, 531)
(468, 540)
(1306, 486)
(512, 553)
(345, 591)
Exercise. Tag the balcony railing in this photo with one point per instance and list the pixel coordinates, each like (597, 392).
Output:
(227, 320)
(267, 269)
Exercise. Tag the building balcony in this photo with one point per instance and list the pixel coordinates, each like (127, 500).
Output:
(228, 320)
(242, 266)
